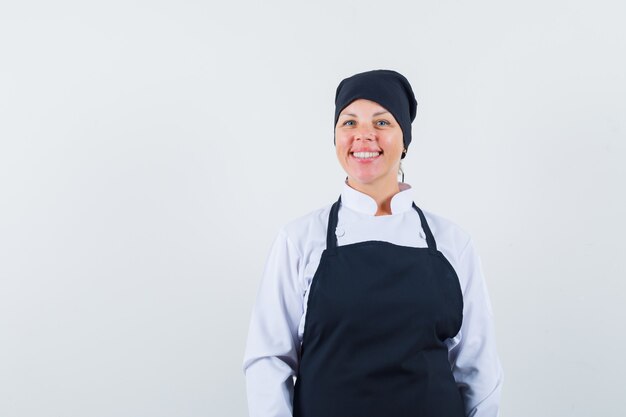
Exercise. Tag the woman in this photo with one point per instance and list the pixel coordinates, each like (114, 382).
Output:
(376, 307)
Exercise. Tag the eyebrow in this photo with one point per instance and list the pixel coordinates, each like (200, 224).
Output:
(354, 115)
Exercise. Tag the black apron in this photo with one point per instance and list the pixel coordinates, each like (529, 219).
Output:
(377, 318)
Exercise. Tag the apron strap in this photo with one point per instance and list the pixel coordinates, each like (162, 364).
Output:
(331, 238)
(430, 240)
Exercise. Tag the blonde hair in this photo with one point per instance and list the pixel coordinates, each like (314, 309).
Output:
(401, 171)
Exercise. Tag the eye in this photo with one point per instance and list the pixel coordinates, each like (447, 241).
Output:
(348, 123)
(382, 123)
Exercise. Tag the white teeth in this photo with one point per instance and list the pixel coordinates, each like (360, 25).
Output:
(365, 154)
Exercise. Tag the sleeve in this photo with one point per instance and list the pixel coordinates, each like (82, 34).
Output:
(473, 356)
(272, 348)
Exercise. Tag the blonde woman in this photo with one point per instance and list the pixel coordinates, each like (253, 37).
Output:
(375, 307)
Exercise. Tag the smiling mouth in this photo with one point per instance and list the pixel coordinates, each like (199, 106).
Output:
(365, 155)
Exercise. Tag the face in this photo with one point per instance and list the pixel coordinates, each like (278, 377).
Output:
(368, 143)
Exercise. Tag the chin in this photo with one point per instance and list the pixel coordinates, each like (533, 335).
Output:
(363, 180)
(371, 178)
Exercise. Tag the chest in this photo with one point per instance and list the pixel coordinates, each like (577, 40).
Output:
(378, 285)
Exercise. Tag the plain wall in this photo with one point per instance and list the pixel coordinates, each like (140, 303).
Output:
(149, 152)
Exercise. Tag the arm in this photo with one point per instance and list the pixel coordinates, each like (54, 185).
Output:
(473, 356)
(272, 349)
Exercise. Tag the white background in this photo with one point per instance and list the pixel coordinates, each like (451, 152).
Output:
(149, 152)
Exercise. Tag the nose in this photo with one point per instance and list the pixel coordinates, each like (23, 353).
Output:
(364, 133)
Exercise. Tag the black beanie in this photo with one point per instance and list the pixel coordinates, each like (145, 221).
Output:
(388, 88)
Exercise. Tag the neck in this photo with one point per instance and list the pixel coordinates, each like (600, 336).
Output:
(382, 193)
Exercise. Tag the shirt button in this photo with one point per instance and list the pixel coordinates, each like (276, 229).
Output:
(339, 232)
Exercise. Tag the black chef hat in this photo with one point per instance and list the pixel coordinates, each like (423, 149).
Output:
(388, 88)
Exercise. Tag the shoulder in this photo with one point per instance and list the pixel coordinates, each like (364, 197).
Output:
(312, 220)
(451, 238)
(457, 246)
(308, 229)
